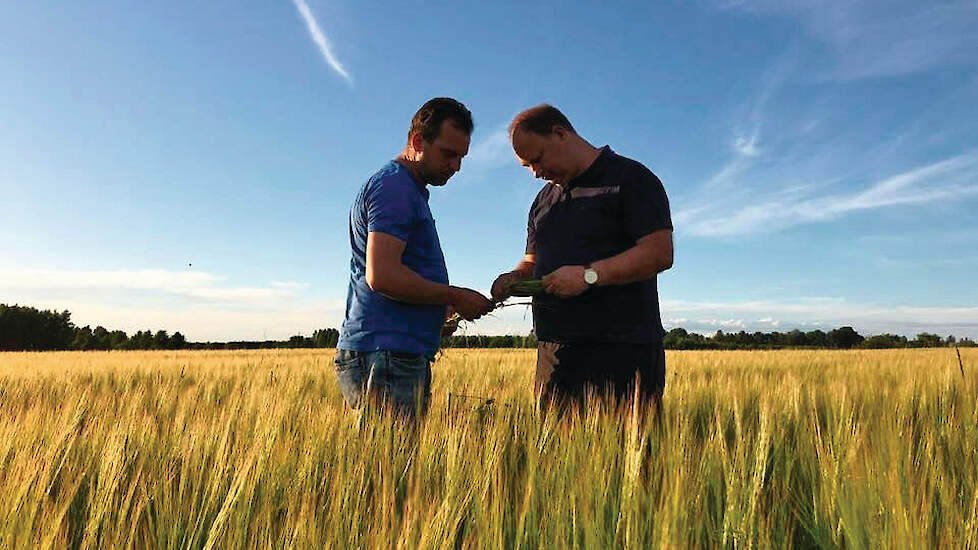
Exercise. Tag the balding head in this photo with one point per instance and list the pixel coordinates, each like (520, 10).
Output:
(540, 120)
(545, 142)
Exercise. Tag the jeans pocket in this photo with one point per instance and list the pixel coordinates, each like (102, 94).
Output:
(346, 359)
(404, 356)
(409, 379)
(407, 364)
(351, 376)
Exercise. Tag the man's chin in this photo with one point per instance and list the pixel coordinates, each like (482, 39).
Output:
(439, 181)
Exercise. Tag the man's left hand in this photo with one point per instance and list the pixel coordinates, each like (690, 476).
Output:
(565, 282)
(449, 328)
(451, 322)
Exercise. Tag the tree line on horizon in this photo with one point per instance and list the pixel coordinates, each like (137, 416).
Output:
(24, 328)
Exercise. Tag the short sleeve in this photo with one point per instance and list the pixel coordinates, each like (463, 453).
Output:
(391, 209)
(531, 228)
(646, 207)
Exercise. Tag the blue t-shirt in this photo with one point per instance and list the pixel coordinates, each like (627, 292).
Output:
(393, 202)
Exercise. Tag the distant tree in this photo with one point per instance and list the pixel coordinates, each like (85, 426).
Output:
(843, 338)
(26, 328)
(679, 338)
(83, 340)
(883, 341)
(299, 341)
(143, 339)
(161, 340)
(325, 338)
(178, 341)
(796, 338)
(817, 338)
(101, 338)
(928, 340)
(118, 340)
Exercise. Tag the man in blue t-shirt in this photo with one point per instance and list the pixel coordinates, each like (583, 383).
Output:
(399, 297)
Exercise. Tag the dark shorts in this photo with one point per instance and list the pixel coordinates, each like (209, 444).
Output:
(568, 372)
(398, 380)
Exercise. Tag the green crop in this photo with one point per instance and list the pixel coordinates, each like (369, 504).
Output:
(527, 287)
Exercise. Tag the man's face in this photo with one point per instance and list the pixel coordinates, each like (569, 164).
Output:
(441, 158)
(545, 156)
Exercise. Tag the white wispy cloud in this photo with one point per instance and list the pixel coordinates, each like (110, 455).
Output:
(769, 315)
(818, 312)
(289, 285)
(945, 179)
(202, 322)
(146, 279)
(746, 145)
(791, 167)
(490, 151)
(237, 295)
(871, 39)
(805, 313)
(202, 306)
(197, 285)
(749, 124)
(319, 37)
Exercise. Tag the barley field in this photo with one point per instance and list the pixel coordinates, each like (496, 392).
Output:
(254, 449)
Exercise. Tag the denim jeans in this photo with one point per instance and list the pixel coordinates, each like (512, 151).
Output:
(398, 380)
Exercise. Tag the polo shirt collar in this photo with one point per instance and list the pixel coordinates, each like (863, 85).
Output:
(592, 171)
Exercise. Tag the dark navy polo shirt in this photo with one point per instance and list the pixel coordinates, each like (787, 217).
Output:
(393, 202)
(598, 214)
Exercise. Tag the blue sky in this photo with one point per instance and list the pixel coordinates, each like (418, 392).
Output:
(190, 166)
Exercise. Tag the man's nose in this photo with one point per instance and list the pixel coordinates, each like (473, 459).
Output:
(456, 164)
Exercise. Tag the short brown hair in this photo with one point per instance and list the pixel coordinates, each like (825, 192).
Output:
(427, 121)
(540, 120)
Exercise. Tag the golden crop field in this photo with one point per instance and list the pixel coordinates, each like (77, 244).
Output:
(254, 449)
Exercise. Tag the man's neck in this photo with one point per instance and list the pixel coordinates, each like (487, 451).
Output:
(404, 159)
(587, 155)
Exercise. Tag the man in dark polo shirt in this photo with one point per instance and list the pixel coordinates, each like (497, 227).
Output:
(598, 233)
(399, 296)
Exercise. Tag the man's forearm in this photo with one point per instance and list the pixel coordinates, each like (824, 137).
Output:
(401, 283)
(524, 269)
(643, 261)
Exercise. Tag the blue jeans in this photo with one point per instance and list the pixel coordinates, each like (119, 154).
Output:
(398, 380)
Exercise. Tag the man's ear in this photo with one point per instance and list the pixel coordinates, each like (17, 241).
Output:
(417, 143)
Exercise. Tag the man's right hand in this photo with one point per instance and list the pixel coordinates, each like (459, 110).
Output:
(501, 286)
(469, 304)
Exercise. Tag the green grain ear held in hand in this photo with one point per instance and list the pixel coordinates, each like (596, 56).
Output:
(527, 287)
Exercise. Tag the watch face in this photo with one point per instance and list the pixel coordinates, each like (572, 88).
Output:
(590, 276)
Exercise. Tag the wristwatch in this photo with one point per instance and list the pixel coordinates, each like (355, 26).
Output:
(590, 275)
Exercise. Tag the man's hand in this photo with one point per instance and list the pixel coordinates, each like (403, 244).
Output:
(501, 286)
(565, 282)
(469, 304)
(451, 322)
(449, 328)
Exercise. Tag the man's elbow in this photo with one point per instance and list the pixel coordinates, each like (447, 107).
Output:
(376, 282)
(661, 263)
(666, 262)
